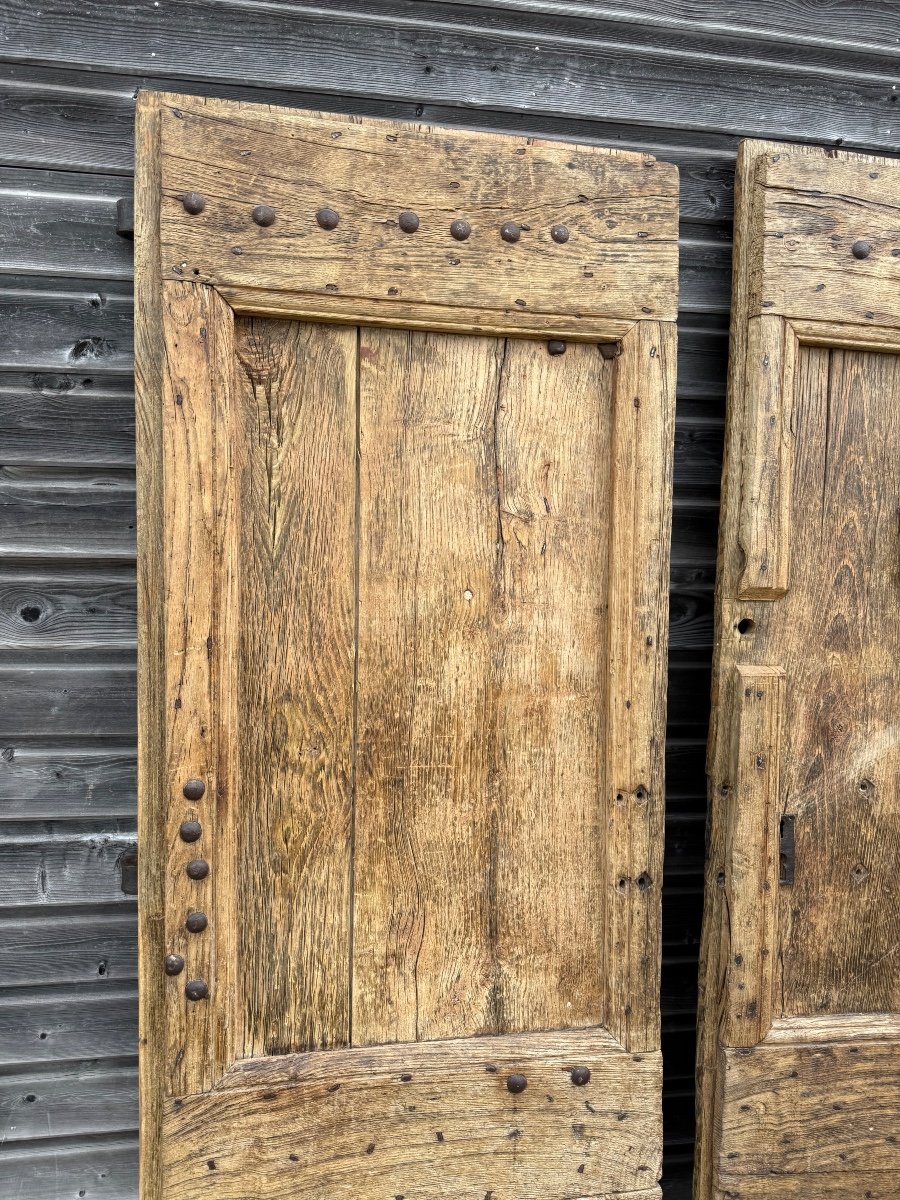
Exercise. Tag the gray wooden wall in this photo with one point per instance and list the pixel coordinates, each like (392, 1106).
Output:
(679, 78)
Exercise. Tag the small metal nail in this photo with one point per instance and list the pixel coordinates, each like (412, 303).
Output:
(263, 215)
(510, 231)
(556, 347)
(190, 831)
(516, 1084)
(327, 218)
(460, 229)
(196, 922)
(196, 989)
(174, 964)
(198, 868)
(580, 1076)
(194, 789)
(560, 234)
(193, 203)
(861, 249)
(408, 222)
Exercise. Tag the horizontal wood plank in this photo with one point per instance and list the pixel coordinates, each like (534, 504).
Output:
(426, 57)
(50, 418)
(94, 948)
(384, 1122)
(54, 781)
(619, 260)
(56, 514)
(808, 1111)
(55, 1025)
(74, 864)
(75, 700)
(68, 611)
(68, 1102)
(104, 1169)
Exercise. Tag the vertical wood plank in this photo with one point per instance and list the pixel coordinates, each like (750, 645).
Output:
(766, 460)
(641, 488)
(550, 645)
(751, 873)
(149, 359)
(426, 796)
(199, 686)
(297, 392)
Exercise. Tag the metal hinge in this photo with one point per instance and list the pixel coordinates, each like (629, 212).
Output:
(786, 851)
(128, 867)
(125, 217)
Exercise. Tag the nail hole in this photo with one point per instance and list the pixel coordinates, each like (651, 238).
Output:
(746, 625)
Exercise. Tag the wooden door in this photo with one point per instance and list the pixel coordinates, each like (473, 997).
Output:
(405, 442)
(800, 999)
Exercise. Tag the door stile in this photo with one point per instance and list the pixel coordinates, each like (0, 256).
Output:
(643, 417)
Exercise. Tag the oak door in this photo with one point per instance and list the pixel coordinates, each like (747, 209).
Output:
(405, 441)
(800, 1001)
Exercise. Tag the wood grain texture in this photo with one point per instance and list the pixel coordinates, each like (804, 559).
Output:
(810, 208)
(640, 504)
(404, 1120)
(620, 259)
(296, 446)
(200, 694)
(819, 481)
(751, 872)
(479, 870)
(808, 1111)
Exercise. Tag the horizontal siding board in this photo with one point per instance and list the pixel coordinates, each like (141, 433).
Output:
(71, 1101)
(846, 24)
(65, 225)
(54, 418)
(59, 1025)
(74, 700)
(50, 513)
(62, 865)
(678, 82)
(52, 781)
(101, 1169)
(67, 610)
(63, 326)
(96, 948)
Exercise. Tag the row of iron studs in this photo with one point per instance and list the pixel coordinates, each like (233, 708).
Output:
(197, 868)
(328, 218)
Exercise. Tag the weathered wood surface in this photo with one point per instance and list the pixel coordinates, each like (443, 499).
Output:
(100, 1167)
(402, 506)
(404, 1119)
(425, 56)
(807, 586)
(66, 1024)
(617, 265)
(70, 120)
(806, 1113)
(70, 1102)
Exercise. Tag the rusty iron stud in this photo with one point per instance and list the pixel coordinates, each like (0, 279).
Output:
(560, 234)
(556, 347)
(193, 203)
(861, 249)
(460, 229)
(194, 789)
(174, 964)
(263, 215)
(196, 922)
(510, 231)
(198, 868)
(609, 350)
(580, 1076)
(516, 1084)
(408, 222)
(327, 218)
(189, 831)
(196, 989)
